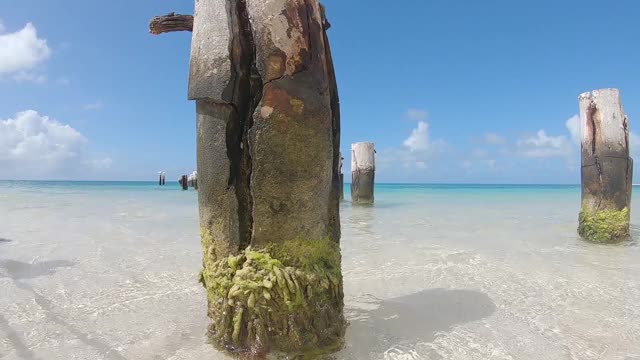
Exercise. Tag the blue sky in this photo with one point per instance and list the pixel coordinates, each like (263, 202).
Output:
(449, 91)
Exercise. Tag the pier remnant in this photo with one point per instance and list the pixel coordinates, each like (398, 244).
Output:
(607, 169)
(341, 178)
(268, 139)
(184, 182)
(193, 180)
(362, 172)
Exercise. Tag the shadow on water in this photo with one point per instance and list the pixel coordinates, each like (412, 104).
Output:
(405, 321)
(13, 337)
(18, 271)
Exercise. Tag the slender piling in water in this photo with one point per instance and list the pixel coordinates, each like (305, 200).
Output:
(268, 140)
(184, 182)
(607, 169)
(362, 172)
(341, 178)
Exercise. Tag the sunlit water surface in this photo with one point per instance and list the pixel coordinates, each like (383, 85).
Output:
(109, 271)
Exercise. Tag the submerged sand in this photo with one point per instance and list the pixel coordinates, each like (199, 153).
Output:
(112, 274)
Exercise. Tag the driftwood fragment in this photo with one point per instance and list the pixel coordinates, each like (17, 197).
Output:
(170, 22)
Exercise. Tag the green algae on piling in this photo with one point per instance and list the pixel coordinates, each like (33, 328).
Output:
(604, 226)
(287, 298)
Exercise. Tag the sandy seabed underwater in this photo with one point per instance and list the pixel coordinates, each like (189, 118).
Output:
(109, 271)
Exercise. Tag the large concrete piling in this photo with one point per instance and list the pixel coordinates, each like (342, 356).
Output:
(607, 169)
(268, 137)
(362, 172)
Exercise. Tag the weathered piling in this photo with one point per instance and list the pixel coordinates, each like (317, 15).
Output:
(607, 169)
(193, 180)
(341, 178)
(362, 172)
(268, 140)
(184, 182)
(159, 178)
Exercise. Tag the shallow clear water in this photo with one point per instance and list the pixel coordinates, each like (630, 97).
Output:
(108, 271)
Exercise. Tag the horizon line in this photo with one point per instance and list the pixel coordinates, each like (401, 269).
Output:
(379, 183)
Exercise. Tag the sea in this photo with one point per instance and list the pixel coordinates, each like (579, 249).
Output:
(108, 270)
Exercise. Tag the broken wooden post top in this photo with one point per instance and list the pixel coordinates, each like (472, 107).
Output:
(603, 126)
(362, 156)
(170, 22)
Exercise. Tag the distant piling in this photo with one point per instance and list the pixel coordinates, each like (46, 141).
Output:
(341, 175)
(362, 172)
(193, 180)
(161, 176)
(184, 182)
(607, 169)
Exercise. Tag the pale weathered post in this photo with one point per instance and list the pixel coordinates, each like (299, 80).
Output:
(268, 139)
(607, 169)
(195, 180)
(362, 172)
(341, 178)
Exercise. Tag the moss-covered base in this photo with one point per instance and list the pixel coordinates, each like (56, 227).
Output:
(604, 226)
(284, 299)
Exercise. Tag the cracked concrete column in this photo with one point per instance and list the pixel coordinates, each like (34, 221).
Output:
(607, 169)
(268, 137)
(363, 170)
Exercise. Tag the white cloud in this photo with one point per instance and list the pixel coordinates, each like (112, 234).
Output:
(21, 52)
(36, 146)
(416, 115)
(1, 26)
(419, 138)
(494, 139)
(94, 106)
(573, 125)
(415, 153)
(542, 146)
(491, 163)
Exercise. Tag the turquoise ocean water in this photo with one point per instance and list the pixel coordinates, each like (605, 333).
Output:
(107, 270)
